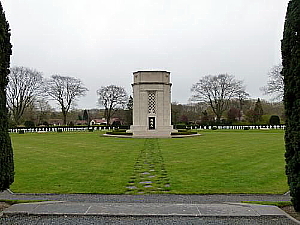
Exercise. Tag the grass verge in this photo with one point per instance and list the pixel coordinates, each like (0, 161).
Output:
(279, 204)
(285, 206)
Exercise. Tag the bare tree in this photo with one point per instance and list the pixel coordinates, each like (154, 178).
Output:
(42, 110)
(24, 86)
(275, 83)
(65, 90)
(112, 97)
(217, 91)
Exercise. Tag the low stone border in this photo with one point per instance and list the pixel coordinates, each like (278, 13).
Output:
(118, 136)
(185, 136)
(130, 136)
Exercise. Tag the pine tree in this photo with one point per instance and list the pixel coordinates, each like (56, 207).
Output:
(85, 116)
(129, 119)
(290, 49)
(6, 153)
(258, 111)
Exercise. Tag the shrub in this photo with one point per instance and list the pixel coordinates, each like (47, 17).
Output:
(241, 123)
(181, 130)
(118, 132)
(180, 126)
(274, 120)
(29, 124)
(59, 130)
(185, 132)
(21, 132)
(124, 127)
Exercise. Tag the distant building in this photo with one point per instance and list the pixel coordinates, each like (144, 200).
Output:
(55, 122)
(113, 121)
(98, 122)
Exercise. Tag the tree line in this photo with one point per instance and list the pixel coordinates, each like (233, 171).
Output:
(215, 99)
(27, 89)
(252, 112)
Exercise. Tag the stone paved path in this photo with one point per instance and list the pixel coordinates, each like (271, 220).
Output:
(149, 175)
(143, 213)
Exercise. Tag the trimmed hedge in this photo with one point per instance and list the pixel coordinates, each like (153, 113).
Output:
(184, 132)
(118, 132)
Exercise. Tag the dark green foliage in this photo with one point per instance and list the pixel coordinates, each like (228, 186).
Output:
(118, 132)
(6, 152)
(29, 124)
(274, 120)
(290, 49)
(116, 123)
(258, 111)
(180, 126)
(123, 127)
(184, 132)
(85, 116)
(128, 112)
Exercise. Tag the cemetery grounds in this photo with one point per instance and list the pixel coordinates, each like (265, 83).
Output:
(218, 161)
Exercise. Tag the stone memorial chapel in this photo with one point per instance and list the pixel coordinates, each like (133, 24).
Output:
(151, 104)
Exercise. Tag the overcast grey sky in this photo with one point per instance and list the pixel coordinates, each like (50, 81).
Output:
(104, 42)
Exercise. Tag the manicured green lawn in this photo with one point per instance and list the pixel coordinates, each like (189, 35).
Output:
(73, 163)
(216, 162)
(227, 162)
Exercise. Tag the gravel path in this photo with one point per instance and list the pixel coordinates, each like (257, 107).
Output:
(157, 198)
(87, 220)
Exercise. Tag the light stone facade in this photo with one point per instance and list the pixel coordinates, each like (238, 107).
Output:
(151, 104)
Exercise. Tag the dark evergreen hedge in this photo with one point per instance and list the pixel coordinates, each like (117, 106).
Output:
(290, 48)
(274, 120)
(6, 153)
(184, 132)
